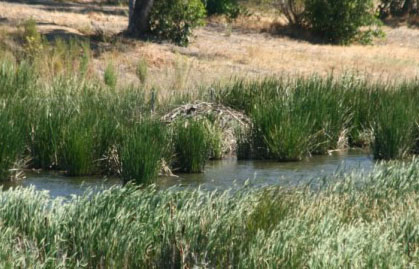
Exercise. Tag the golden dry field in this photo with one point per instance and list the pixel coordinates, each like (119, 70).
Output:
(249, 47)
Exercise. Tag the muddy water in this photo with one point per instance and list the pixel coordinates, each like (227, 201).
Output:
(224, 174)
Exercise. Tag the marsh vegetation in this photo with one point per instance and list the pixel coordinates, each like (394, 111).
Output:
(86, 125)
(76, 99)
(363, 221)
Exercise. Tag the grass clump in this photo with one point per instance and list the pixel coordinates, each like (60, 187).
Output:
(144, 146)
(282, 131)
(192, 145)
(110, 76)
(142, 71)
(216, 141)
(77, 150)
(32, 39)
(11, 141)
(394, 128)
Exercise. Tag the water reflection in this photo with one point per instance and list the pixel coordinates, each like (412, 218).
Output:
(230, 173)
(224, 174)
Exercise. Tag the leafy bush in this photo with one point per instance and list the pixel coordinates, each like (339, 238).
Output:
(174, 20)
(340, 21)
(230, 8)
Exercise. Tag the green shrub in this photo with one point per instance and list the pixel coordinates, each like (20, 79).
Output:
(230, 8)
(143, 147)
(340, 21)
(174, 20)
(192, 144)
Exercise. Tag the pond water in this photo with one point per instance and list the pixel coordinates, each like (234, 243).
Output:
(224, 174)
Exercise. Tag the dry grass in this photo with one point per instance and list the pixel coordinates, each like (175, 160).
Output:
(221, 50)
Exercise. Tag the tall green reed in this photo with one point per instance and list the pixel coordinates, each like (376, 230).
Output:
(322, 100)
(338, 111)
(143, 147)
(12, 142)
(192, 145)
(282, 131)
(395, 123)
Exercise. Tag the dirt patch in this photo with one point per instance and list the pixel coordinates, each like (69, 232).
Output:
(220, 50)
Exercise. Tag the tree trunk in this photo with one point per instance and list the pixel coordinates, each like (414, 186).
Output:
(407, 7)
(139, 15)
(131, 5)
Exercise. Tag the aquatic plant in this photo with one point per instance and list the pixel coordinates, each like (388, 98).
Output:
(11, 140)
(394, 127)
(67, 119)
(192, 145)
(282, 131)
(323, 103)
(143, 147)
(77, 153)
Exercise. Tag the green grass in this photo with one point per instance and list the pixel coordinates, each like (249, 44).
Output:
(110, 76)
(11, 141)
(143, 147)
(363, 221)
(282, 131)
(192, 145)
(395, 124)
(74, 121)
(78, 155)
(297, 117)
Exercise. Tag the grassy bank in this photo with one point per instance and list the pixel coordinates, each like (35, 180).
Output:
(364, 221)
(85, 127)
(60, 115)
